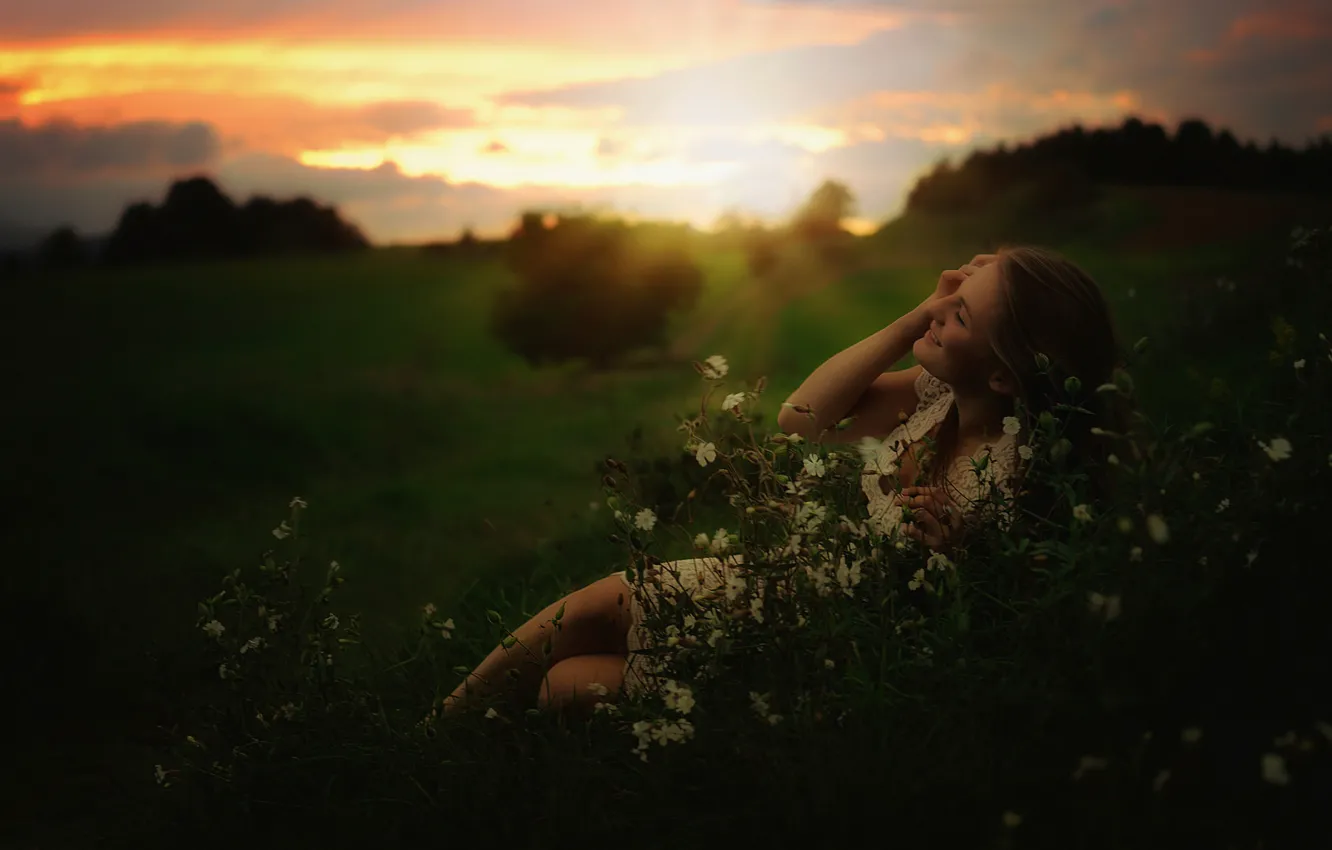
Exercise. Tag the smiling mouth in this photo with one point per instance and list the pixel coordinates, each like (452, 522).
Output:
(935, 338)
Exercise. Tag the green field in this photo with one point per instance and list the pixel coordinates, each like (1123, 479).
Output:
(159, 421)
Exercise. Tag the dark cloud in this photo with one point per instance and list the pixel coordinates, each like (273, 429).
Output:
(68, 150)
(405, 117)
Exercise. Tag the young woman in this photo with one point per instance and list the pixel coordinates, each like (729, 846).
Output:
(975, 339)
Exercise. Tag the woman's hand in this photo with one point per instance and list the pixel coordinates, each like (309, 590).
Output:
(937, 518)
(951, 279)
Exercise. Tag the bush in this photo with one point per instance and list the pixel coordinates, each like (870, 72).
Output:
(592, 290)
(1143, 672)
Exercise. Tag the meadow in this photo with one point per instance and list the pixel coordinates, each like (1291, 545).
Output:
(158, 421)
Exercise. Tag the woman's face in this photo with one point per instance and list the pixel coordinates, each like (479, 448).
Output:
(956, 347)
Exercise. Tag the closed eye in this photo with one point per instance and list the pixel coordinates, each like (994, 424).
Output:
(959, 319)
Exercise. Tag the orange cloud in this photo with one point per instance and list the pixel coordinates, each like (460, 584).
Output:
(1292, 25)
(275, 123)
(682, 29)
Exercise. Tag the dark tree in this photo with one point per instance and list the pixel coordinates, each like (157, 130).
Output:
(63, 249)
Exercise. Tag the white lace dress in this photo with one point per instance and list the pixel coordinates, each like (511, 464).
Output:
(710, 574)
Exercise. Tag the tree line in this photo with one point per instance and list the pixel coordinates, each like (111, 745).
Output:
(198, 221)
(1065, 168)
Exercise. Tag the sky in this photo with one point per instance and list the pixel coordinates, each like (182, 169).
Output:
(420, 117)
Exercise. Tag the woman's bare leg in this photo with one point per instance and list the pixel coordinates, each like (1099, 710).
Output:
(596, 622)
(566, 686)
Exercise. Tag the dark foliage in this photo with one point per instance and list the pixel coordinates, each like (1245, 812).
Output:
(1063, 169)
(593, 289)
(198, 221)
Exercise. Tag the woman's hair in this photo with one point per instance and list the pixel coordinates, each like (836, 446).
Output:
(1050, 306)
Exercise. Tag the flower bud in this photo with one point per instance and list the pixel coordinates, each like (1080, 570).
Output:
(1042, 362)
(1072, 384)
(608, 481)
(1123, 380)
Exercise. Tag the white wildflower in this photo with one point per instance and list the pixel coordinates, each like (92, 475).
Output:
(938, 561)
(701, 540)
(288, 711)
(715, 367)
(282, 531)
(829, 663)
(159, 774)
(679, 697)
(429, 609)
(759, 702)
(214, 628)
(735, 585)
(251, 644)
(1299, 364)
(706, 454)
(918, 580)
(297, 502)
(645, 519)
(733, 401)
(1157, 529)
(1279, 450)
(1025, 452)
(331, 622)
(1222, 505)
(1112, 459)
(273, 620)
(491, 714)
(792, 546)
(1107, 607)
(1274, 769)
(721, 542)
(1082, 512)
(810, 516)
(447, 631)
(848, 577)
(1251, 557)
(814, 466)
(1011, 425)
(224, 671)
(869, 448)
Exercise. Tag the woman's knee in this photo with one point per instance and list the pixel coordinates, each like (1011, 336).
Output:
(580, 681)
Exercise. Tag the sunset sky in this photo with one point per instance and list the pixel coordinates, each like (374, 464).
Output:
(419, 117)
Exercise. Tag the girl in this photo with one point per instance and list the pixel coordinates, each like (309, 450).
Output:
(976, 341)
